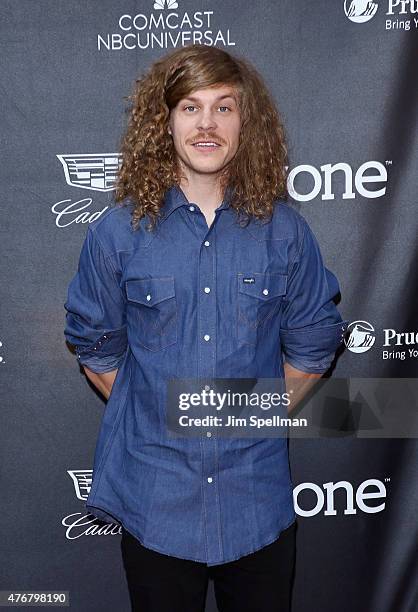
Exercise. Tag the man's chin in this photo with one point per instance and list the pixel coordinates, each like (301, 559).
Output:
(204, 167)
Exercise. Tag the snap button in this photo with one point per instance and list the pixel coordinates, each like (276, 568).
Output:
(148, 297)
(207, 289)
(191, 208)
(265, 291)
(206, 243)
(206, 337)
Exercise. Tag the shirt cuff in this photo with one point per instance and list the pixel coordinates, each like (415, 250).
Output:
(319, 367)
(104, 355)
(100, 365)
(312, 350)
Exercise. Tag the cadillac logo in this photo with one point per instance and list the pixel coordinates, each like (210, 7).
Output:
(96, 172)
(82, 482)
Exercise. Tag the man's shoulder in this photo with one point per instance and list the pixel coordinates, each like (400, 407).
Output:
(113, 229)
(287, 218)
(286, 223)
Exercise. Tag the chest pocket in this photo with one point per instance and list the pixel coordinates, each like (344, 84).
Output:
(152, 312)
(259, 299)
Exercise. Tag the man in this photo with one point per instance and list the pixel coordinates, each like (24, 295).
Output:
(203, 271)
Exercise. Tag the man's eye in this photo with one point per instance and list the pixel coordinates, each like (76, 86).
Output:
(192, 106)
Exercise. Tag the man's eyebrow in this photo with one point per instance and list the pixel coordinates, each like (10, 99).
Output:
(193, 99)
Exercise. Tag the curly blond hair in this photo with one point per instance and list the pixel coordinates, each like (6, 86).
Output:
(256, 174)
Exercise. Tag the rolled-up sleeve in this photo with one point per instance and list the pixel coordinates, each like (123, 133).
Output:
(312, 328)
(96, 310)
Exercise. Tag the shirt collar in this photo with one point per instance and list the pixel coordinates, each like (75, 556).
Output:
(175, 197)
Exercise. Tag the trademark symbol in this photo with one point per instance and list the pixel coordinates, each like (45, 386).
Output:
(387, 479)
(388, 162)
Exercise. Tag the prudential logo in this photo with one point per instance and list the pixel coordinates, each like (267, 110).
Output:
(361, 337)
(360, 11)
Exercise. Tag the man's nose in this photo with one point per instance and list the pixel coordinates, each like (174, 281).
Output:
(207, 120)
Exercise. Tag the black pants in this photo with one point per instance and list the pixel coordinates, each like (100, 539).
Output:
(258, 582)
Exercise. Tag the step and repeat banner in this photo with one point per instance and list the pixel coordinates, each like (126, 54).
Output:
(344, 75)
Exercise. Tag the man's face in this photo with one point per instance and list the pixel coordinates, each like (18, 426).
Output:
(208, 115)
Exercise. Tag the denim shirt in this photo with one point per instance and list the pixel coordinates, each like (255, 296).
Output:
(172, 303)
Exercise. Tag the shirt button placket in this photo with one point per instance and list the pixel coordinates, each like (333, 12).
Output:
(207, 369)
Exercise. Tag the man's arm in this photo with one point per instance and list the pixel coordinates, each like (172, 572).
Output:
(103, 382)
(95, 319)
(299, 382)
(311, 328)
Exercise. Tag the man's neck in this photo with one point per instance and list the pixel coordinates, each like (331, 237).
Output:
(207, 194)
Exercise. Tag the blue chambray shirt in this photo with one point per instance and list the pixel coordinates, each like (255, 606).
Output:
(173, 303)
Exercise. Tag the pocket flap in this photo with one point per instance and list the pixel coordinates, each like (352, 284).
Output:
(150, 291)
(262, 286)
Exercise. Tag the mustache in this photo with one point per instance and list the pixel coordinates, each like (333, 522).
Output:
(207, 138)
